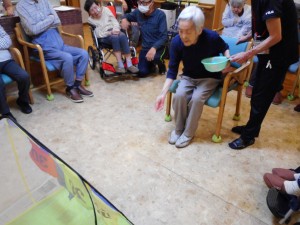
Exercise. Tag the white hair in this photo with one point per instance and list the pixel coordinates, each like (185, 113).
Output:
(237, 3)
(194, 14)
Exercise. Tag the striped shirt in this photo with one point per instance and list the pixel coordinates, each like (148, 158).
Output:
(5, 43)
(37, 17)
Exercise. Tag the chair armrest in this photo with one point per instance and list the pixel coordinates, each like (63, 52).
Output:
(33, 46)
(17, 56)
(238, 75)
(75, 36)
(92, 26)
(219, 30)
(242, 67)
(28, 44)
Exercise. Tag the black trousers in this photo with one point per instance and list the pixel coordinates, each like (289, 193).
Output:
(16, 73)
(268, 81)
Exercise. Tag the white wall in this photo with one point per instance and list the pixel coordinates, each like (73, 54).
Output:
(212, 2)
(84, 14)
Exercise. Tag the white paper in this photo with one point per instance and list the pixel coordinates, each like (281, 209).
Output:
(63, 8)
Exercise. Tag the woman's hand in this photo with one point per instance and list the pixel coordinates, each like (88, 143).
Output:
(115, 32)
(239, 57)
(159, 103)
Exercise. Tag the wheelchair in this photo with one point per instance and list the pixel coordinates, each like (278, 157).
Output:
(101, 52)
(281, 205)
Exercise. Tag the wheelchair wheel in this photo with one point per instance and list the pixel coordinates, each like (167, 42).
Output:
(101, 71)
(133, 52)
(92, 57)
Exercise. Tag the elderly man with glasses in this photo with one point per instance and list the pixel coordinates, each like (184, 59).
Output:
(153, 27)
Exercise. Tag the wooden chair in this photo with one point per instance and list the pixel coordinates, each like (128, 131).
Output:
(294, 69)
(17, 56)
(46, 66)
(232, 81)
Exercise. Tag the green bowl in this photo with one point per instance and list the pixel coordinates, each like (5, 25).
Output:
(215, 64)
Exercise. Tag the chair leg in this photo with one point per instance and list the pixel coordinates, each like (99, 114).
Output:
(217, 137)
(50, 96)
(248, 74)
(299, 85)
(87, 79)
(291, 95)
(236, 116)
(31, 101)
(168, 117)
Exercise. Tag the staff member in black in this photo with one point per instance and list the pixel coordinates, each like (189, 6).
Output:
(275, 33)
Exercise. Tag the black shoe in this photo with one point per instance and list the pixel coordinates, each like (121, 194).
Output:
(162, 69)
(10, 116)
(24, 107)
(239, 143)
(74, 95)
(297, 108)
(141, 75)
(239, 130)
(152, 68)
(84, 92)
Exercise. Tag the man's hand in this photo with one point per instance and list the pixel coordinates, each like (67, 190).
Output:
(125, 24)
(10, 10)
(150, 54)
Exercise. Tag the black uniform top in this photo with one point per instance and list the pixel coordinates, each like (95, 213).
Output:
(286, 51)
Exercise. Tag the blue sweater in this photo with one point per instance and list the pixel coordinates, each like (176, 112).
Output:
(209, 44)
(153, 28)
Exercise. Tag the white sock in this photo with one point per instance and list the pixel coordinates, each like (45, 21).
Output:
(129, 63)
(120, 65)
(297, 176)
(292, 187)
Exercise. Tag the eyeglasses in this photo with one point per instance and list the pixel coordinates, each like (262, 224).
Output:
(144, 3)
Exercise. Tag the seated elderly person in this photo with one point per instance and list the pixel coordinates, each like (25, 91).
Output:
(237, 20)
(193, 44)
(9, 67)
(40, 22)
(154, 35)
(7, 5)
(285, 180)
(108, 31)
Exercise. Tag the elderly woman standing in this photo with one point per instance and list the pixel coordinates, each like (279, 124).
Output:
(237, 20)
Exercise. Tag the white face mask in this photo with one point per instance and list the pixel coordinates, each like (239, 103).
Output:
(143, 8)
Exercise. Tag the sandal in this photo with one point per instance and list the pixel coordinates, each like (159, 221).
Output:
(239, 143)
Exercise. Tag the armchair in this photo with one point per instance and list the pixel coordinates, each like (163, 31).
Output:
(294, 69)
(17, 56)
(46, 66)
(233, 81)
